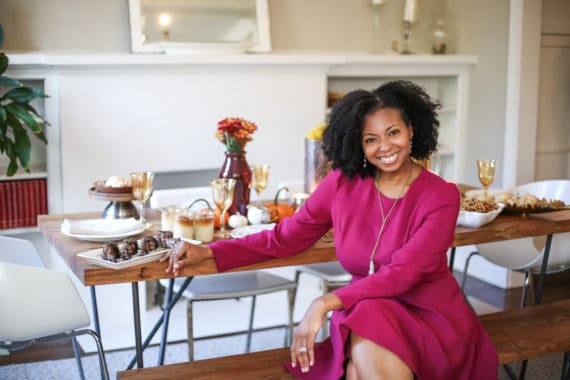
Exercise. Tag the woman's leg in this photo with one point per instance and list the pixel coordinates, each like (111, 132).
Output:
(372, 361)
(350, 371)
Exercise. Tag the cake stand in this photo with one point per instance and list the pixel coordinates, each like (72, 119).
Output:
(119, 207)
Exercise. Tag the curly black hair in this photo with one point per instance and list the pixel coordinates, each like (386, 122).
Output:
(342, 139)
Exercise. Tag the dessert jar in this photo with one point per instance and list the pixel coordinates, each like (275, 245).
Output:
(183, 224)
(167, 216)
(203, 221)
(204, 225)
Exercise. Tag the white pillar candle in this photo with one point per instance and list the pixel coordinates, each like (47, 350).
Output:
(410, 10)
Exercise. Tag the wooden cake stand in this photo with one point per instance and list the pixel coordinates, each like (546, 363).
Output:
(119, 207)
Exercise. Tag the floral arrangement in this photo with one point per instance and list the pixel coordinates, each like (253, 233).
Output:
(316, 134)
(235, 133)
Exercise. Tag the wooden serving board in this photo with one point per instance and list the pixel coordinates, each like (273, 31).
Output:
(111, 197)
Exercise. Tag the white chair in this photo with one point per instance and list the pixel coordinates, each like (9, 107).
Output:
(220, 286)
(39, 305)
(525, 255)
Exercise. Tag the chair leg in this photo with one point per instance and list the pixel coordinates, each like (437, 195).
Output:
(525, 288)
(250, 329)
(291, 299)
(101, 353)
(565, 374)
(325, 329)
(190, 329)
(77, 357)
(466, 268)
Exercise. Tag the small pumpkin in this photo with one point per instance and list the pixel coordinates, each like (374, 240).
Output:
(237, 220)
(217, 218)
(283, 209)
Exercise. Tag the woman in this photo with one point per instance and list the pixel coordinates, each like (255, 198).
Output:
(403, 315)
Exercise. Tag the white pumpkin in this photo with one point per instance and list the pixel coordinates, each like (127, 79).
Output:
(237, 220)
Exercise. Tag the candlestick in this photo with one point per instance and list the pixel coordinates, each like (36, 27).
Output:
(410, 10)
(407, 32)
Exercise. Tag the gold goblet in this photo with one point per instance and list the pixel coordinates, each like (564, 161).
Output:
(142, 190)
(486, 173)
(223, 194)
(259, 180)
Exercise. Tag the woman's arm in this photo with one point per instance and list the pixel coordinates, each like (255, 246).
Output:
(302, 346)
(291, 235)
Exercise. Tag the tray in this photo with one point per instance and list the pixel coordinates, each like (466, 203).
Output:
(93, 256)
(532, 210)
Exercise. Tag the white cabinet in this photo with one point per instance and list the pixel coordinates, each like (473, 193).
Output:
(445, 78)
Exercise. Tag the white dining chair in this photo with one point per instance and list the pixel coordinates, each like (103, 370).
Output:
(220, 286)
(39, 305)
(525, 255)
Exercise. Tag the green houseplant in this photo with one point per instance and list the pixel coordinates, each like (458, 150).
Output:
(17, 119)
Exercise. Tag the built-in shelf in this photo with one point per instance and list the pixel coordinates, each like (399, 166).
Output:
(23, 175)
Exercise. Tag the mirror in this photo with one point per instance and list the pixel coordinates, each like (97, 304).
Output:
(199, 26)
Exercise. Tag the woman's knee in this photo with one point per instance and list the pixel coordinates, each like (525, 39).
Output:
(370, 360)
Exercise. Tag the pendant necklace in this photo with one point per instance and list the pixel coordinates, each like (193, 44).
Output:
(385, 219)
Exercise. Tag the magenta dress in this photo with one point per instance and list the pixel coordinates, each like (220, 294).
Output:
(412, 304)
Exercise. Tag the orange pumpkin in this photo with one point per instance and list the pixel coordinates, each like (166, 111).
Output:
(217, 218)
(283, 209)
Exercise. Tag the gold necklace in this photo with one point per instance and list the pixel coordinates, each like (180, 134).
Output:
(385, 219)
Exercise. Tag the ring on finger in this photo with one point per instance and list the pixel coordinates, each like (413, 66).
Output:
(302, 349)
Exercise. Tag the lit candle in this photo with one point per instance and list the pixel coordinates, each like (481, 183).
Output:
(410, 10)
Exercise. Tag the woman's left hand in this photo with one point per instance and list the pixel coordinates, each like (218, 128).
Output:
(302, 347)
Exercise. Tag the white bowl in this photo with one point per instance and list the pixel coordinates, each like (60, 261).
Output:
(474, 219)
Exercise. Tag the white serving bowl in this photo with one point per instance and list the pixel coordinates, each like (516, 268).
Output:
(474, 219)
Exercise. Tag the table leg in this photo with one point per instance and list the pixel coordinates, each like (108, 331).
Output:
(538, 294)
(540, 285)
(95, 311)
(452, 259)
(170, 303)
(137, 323)
(160, 321)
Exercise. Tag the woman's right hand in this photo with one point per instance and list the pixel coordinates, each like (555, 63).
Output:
(184, 254)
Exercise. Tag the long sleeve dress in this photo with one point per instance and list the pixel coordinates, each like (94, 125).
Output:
(412, 304)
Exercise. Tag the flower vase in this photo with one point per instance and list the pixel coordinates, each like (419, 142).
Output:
(236, 167)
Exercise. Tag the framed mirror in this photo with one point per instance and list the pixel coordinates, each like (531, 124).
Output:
(199, 26)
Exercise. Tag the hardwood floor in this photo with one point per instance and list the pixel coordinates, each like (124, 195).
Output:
(557, 287)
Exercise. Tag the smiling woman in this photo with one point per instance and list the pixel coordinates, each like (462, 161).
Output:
(199, 26)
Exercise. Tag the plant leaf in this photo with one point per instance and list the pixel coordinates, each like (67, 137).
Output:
(32, 110)
(2, 114)
(23, 146)
(22, 114)
(12, 168)
(3, 63)
(23, 94)
(9, 82)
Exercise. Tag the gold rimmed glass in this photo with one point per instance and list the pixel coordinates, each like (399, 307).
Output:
(260, 174)
(223, 194)
(142, 190)
(486, 173)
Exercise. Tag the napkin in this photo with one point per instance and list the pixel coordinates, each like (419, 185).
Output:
(100, 226)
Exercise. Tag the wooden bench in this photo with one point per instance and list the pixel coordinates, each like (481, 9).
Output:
(517, 334)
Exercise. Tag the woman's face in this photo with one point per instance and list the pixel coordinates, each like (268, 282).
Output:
(386, 140)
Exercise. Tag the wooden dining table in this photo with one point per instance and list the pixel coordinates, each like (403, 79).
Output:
(504, 227)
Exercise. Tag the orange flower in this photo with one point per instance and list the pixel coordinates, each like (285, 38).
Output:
(235, 133)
